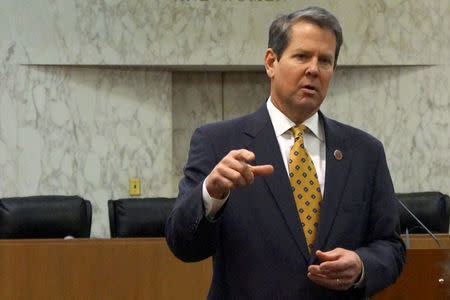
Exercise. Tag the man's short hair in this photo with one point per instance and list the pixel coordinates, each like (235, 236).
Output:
(280, 30)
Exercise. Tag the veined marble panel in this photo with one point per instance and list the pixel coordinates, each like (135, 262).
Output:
(244, 92)
(85, 131)
(408, 109)
(213, 32)
(197, 99)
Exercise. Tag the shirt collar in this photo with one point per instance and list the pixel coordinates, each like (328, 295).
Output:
(281, 123)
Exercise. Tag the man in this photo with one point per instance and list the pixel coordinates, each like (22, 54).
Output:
(282, 222)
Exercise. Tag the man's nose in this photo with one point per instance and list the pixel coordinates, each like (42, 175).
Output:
(313, 67)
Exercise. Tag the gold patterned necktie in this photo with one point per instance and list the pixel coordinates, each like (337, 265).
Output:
(305, 186)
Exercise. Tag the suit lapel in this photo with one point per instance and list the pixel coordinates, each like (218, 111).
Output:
(265, 146)
(335, 179)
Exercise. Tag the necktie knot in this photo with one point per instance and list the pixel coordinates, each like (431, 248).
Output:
(298, 131)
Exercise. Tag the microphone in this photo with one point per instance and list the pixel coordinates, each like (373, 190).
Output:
(420, 223)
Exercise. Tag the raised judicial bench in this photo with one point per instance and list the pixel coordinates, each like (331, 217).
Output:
(144, 268)
(125, 268)
(426, 274)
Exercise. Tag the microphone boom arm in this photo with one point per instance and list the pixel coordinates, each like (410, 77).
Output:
(420, 223)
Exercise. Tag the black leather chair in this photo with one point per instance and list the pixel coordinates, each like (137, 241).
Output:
(139, 217)
(45, 217)
(431, 208)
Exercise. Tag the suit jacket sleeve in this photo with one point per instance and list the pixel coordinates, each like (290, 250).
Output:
(189, 234)
(384, 253)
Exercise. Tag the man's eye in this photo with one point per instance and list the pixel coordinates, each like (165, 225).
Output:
(325, 61)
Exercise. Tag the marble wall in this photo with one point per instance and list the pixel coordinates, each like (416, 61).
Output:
(213, 32)
(93, 92)
(85, 131)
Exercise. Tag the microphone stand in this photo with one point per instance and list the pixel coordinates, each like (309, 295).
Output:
(420, 223)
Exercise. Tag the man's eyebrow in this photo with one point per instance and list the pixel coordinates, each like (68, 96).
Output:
(308, 52)
(326, 55)
(300, 49)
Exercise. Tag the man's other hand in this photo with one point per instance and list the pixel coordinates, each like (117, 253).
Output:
(339, 269)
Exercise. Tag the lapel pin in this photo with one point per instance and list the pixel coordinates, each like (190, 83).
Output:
(338, 154)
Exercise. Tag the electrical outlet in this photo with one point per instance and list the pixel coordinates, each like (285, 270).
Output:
(135, 186)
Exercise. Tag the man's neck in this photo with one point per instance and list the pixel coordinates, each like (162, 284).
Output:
(298, 117)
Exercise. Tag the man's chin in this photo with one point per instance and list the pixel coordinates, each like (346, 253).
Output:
(311, 103)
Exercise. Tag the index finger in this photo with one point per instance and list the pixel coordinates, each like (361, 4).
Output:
(334, 267)
(243, 155)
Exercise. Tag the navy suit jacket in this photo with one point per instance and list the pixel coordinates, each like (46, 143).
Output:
(256, 240)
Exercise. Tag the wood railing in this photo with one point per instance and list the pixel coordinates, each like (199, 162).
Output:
(426, 274)
(146, 269)
(98, 269)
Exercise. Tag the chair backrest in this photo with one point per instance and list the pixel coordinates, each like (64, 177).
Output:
(45, 217)
(139, 217)
(431, 208)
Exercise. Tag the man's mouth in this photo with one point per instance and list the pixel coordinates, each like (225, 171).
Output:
(309, 88)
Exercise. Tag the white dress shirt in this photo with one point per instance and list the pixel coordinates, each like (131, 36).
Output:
(313, 139)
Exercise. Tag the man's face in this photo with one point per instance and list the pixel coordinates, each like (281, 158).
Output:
(300, 79)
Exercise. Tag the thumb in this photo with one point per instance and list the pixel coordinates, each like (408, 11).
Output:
(328, 255)
(262, 170)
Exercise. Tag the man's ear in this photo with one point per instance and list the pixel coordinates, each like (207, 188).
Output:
(270, 62)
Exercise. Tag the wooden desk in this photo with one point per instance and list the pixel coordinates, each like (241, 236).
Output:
(424, 241)
(146, 269)
(425, 265)
(98, 269)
